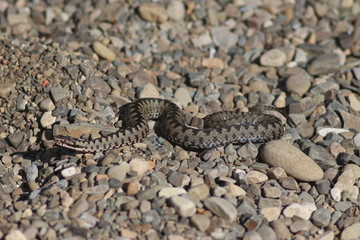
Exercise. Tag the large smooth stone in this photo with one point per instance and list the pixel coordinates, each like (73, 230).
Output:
(294, 162)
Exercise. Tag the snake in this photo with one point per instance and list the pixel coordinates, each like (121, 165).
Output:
(220, 128)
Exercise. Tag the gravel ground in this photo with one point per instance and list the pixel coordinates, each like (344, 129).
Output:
(66, 67)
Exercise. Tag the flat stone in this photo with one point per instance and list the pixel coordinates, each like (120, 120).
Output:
(235, 190)
(47, 119)
(168, 192)
(252, 235)
(199, 192)
(273, 58)
(5, 89)
(32, 173)
(300, 225)
(321, 156)
(256, 177)
(59, 94)
(222, 208)
(17, 138)
(153, 12)
(294, 162)
(139, 165)
(97, 84)
(271, 213)
(223, 37)
(80, 206)
(133, 187)
(299, 84)
(47, 105)
(212, 63)
(15, 235)
(321, 217)
(324, 64)
(68, 172)
(183, 96)
(103, 51)
(301, 210)
(201, 222)
(119, 171)
(281, 230)
(271, 192)
(149, 91)
(176, 10)
(328, 235)
(351, 232)
(184, 206)
(350, 120)
(289, 183)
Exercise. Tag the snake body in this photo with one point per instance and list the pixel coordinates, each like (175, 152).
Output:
(220, 128)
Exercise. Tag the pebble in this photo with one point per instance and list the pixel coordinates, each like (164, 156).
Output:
(200, 221)
(149, 91)
(221, 207)
(223, 37)
(256, 177)
(299, 84)
(59, 94)
(321, 217)
(47, 105)
(271, 213)
(119, 171)
(184, 206)
(15, 235)
(139, 165)
(273, 58)
(97, 84)
(350, 121)
(47, 119)
(183, 96)
(17, 138)
(168, 192)
(301, 210)
(103, 51)
(212, 63)
(5, 89)
(252, 235)
(153, 12)
(68, 172)
(294, 162)
(199, 192)
(176, 10)
(351, 232)
(32, 173)
(324, 64)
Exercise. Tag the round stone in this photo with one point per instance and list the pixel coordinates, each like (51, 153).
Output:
(298, 83)
(273, 58)
(294, 162)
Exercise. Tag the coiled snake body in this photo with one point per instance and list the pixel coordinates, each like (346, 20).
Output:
(219, 128)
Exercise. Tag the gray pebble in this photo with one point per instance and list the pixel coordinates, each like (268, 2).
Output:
(223, 37)
(58, 94)
(321, 217)
(31, 173)
(222, 208)
(324, 64)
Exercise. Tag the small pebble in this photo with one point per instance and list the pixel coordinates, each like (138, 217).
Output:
(103, 51)
(273, 58)
(184, 206)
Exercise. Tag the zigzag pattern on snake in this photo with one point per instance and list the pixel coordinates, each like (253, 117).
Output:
(220, 128)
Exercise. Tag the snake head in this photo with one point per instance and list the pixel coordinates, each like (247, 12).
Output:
(64, 141)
